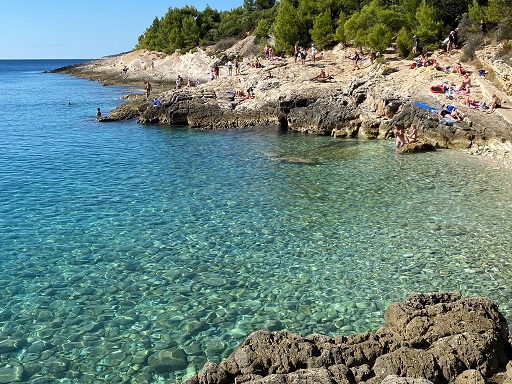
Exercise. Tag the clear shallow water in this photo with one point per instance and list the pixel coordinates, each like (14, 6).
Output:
(119, 240)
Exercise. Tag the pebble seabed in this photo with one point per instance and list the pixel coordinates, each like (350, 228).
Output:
(313, 235)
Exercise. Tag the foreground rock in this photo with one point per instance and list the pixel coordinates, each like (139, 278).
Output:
(438, 338)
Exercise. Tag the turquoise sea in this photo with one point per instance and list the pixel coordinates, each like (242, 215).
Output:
(121, 242)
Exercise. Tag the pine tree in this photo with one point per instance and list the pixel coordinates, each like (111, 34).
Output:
(285, 28)
(428, 28)
(340, 30)
(321, 33)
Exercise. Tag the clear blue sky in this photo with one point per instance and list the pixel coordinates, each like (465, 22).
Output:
(82, 29)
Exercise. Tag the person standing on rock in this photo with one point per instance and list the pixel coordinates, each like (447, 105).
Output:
(356, 59)
(313, 53)
(98, 113)
(147, 87)
(237, 67)
(296, 51)
(483, 27)
(399, 136)
(415, 44)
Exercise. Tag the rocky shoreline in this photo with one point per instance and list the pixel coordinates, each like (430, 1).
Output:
(365, 102)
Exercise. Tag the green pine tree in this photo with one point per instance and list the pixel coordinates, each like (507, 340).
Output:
(321, 33)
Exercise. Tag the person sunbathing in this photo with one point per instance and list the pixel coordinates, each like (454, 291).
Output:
(495, 103)
(466, 83)
(470, 103)
(444, 113)
(321, 75)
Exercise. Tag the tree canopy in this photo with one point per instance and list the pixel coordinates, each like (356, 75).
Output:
(370, 23)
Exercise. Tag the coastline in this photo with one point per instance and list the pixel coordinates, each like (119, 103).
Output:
(359, 373)
(357, 102)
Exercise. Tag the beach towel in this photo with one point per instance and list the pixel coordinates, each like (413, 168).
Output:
(424, 106)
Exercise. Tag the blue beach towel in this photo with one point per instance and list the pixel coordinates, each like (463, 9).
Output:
(424, 106)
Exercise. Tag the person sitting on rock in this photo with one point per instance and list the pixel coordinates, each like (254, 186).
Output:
(412, 134)
(240, 95)
(457, 68)
(495, 103)
(466, 83)
(156, 102)
(321, 75)
(469, 102)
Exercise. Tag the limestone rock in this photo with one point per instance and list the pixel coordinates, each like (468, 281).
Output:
(213, 374)
(419, 146)
(438, 338)
(471, 376)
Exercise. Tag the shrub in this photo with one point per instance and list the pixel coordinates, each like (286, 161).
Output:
(225, 44)
(474, 42)
(403, 43)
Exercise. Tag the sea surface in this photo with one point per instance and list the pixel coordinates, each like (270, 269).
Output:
(119, 241)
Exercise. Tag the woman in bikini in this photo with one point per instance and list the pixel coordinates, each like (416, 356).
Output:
(466, 83)
(412, 135)
(399, 136)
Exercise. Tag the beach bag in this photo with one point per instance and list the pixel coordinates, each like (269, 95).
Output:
(437, 89)
(413, 65)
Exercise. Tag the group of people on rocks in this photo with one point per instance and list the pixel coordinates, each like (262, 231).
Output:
(403, 136)
(300, 53)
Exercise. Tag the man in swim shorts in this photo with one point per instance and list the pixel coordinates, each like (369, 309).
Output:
(495, 103)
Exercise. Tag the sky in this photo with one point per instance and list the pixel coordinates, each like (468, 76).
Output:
(82, 29)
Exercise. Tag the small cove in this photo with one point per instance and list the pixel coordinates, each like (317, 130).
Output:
(119, 239)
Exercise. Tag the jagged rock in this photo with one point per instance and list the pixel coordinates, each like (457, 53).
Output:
(438, 338)
(213, 374)
(394, 379)
(471, 376)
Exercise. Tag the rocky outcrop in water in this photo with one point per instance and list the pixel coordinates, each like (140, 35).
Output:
(428, 338)
(366, 107)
